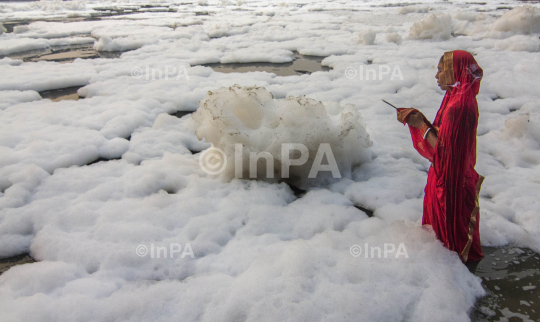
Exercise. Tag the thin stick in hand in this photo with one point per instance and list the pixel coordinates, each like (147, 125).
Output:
(389, 104)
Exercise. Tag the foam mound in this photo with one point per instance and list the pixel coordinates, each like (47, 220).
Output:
(520, 20)
(250, 116)
(435, 26)
(413, 9)
(367, 37)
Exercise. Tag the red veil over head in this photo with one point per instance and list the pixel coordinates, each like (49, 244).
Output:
(451, 194)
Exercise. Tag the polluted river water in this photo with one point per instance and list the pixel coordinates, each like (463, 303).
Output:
(509, 274)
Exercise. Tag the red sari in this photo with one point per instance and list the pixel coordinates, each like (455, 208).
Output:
(451, 194)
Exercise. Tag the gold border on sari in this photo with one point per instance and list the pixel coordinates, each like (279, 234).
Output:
(448, 77)
(475, 216)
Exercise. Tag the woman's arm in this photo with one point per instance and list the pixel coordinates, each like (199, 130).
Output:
(416, 120)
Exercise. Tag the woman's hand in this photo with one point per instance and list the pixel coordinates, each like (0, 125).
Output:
(416, 120)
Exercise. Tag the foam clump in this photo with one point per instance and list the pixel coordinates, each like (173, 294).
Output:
(250, 116)
(520, 126)
(394, 37)
(465, 16)
(367, 37)
(520, 20)
(413, 9)
(435, 26)
(107, 43)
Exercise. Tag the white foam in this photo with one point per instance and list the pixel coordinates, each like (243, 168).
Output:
(435, 26)
(521, 20)
(413, 9)
(367, 37)
(8, 98)
(394, 37)
(519, 43)
(252, 117)
(465, 15)
(13, 45)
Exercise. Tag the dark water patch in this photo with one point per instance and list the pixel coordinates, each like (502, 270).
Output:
(64, 54)
(7, 263)
(154, 6)
(111, 12)
(110, 54)
(10, 25)
(299, 193)
(511, 278)
(158, 9)
(100, 159)
(194, 151)
(180, 114)
(55, 95)
(302, 64)
(368, 212)
(390, 5)
(472, 266)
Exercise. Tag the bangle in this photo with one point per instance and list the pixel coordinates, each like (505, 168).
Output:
(425, 134)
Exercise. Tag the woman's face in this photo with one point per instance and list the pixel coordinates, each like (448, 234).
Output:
(438, 76)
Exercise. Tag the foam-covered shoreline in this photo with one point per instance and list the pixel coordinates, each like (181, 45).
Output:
(260, 252)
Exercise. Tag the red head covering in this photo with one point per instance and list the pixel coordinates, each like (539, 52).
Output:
(467, 76)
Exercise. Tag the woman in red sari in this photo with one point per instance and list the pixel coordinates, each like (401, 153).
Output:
(451, 195)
